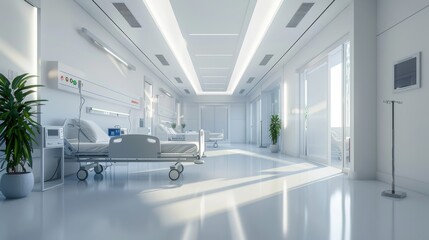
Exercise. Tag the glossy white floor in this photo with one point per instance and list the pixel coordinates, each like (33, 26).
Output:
(241, 192)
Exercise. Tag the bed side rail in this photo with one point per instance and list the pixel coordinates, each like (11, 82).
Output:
(134, 146)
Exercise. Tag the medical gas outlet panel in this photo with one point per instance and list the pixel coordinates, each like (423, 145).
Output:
(65, 78)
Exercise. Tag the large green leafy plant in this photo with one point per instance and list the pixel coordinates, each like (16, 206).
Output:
(275, 127)
(17, 124)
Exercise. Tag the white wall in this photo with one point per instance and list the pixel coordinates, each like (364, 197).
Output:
(363, 117)
(402, 29)
(236, 117)
(18, 41)
(61, 41)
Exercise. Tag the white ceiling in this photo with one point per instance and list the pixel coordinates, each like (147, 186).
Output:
(214, 31)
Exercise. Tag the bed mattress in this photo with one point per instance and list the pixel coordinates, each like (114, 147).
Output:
(86, 148)
(179, 147)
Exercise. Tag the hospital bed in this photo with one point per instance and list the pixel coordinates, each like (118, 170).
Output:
(167, 133)
(214, 137)
(92, 145)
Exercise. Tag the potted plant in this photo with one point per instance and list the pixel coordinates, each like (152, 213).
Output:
(183, 126)
(174, 125)
(275, 127)
(17, 134)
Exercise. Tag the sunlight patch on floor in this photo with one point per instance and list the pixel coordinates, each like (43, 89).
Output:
(188, 190)
(179, 212)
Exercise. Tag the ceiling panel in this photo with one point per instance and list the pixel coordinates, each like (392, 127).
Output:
(213, 61)
(208, 16)
(203, 72)
(212, 44)
(199, 22)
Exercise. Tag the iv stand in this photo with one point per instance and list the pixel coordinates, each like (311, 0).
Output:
(393, 193)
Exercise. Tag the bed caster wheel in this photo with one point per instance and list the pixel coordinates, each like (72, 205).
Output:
(198, 157)
(180, 167)
(174, 174)
(82, 174)
(215, 145)
(98, 169)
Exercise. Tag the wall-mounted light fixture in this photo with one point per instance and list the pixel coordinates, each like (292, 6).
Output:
(106, 112)
(96, 41)
(165, 92)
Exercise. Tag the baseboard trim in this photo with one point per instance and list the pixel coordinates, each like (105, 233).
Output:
(404, 182)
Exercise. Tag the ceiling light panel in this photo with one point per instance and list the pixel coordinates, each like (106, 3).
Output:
(299, 14)
(127, 15)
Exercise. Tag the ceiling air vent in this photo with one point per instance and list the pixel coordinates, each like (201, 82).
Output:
(299, 15)
(126, 13)
(187, 91)
(242, 91)
(178, 80)
(266, 59)
(162, 59)
(250, 79)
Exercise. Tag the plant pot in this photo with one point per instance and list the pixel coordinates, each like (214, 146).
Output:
(274, 148)
(17, 185)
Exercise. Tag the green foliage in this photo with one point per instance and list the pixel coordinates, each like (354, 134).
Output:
(183, 125)
(275, 127)
(16, 121)
(173, 125)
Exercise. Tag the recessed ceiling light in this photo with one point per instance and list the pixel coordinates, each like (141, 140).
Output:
(262, 16)
(213, 55)
(213, 34)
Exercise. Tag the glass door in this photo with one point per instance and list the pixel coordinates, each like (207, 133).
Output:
(325, 104)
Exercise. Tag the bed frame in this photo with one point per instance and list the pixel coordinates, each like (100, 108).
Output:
(138, 148)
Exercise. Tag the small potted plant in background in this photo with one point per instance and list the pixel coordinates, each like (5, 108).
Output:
(275, 127)
(183, 126)
(174, 125)
(17, 134)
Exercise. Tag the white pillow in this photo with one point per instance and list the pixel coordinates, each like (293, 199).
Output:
(92, 131)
